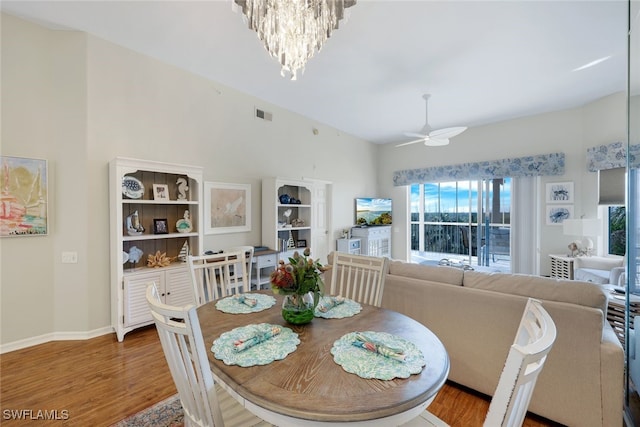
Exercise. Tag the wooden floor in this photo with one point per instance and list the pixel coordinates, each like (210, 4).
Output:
(101, 381)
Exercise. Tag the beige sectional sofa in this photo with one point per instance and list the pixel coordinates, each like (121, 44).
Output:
(476, 315)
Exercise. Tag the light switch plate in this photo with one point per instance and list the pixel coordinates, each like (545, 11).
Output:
(69, 257)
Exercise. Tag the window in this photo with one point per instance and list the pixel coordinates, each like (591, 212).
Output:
(617, 230)
(467, 219)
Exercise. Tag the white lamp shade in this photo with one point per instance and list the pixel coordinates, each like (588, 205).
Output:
(581, 227)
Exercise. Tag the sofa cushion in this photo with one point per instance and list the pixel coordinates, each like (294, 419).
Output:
(433, 273)
(543, 288)
(592, 275)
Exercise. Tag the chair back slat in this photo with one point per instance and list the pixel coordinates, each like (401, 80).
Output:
(248, 260)
(217, 276)
(183, 346)
(358, 277)
(534, 339)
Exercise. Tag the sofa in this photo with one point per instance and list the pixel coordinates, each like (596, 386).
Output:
(600, 270)
(476, 314)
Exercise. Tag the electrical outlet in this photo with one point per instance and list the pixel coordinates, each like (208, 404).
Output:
(69, 257)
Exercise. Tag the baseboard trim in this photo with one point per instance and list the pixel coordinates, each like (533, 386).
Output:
(54, 336)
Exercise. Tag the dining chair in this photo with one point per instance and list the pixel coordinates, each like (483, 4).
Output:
(358, 277)
(248, 258)
(525, 360)
(204, 403)
(216, 276)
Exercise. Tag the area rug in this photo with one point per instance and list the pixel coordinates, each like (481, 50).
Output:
(167, 413)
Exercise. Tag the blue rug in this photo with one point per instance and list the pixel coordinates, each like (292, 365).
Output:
(167, 413)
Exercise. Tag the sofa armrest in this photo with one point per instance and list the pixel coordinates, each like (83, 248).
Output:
(616, 276)
(597, 263)
(612, 357)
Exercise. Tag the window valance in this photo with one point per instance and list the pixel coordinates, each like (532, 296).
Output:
(611, 156)
(543, 164)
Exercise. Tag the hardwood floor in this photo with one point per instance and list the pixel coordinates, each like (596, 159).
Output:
(100, 381)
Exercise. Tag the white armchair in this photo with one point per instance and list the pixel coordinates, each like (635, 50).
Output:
(600, 270)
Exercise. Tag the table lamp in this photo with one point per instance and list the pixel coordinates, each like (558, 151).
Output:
(585, 229)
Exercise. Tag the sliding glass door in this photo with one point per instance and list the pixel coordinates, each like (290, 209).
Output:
(463, 221)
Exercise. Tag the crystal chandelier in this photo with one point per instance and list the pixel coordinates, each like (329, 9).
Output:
(292, 30)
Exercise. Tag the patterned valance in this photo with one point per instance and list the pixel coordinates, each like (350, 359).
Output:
(611, 156)
(544, 164)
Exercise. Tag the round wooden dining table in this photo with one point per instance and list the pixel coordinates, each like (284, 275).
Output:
(308, 386)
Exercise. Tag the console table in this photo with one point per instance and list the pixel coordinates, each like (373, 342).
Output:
(561, 266)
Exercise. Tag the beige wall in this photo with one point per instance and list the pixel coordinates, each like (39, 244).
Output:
(79, 101)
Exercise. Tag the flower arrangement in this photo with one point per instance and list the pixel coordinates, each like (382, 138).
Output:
(300, 276)
(297, 281)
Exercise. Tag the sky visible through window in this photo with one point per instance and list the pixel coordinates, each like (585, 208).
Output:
(455, 198)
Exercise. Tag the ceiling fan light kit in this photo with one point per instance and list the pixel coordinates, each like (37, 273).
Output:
(292, 30)
(431, 137)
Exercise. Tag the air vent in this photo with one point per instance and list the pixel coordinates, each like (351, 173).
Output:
(264, 115)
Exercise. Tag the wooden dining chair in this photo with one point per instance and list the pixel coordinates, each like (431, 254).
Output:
(216, 276)
(525, 360)
(204, 403)
(248, 259)
(358, 277)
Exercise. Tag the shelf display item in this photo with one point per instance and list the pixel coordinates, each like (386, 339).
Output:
(182, 188)
(135, 254)
(132, 187)
(134, 228)
(183, 225)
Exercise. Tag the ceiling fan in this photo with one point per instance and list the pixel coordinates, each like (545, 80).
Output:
(432, 137)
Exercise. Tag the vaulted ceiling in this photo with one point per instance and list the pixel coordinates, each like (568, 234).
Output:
(482, 61)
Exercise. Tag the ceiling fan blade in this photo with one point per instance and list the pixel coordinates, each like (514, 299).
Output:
(436, 142)
(411, 142)
(416, 135)
(447, 133)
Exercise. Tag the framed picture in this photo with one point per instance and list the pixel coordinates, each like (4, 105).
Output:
(24, 208)
(301, 243)
(227, 208)
(556, 214)
(560, 192)
(160, 192)
(160, 226)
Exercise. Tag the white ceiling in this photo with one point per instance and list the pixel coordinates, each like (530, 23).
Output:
(482, 61)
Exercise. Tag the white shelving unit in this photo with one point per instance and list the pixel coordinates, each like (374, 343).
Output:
(128, 304)
(277, 228)
(350, 246)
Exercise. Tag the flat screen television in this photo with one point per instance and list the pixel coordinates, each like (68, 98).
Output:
(373, 211)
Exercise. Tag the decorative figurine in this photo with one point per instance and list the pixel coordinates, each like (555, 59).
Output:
(184, 224)
(134, 228)
(182, 188)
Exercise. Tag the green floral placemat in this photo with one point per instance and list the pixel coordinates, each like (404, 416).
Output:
(233, 306)
(367, 364)
(275, 348)
(347, 309)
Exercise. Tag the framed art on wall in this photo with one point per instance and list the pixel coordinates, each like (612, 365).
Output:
(227, 208)
(559, 192)
(23, 208)
(556, 214)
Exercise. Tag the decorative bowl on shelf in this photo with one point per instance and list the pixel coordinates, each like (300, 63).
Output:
(284, 199)
(132, 187)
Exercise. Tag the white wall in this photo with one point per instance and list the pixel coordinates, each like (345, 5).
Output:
(569, 131)
(79, 101)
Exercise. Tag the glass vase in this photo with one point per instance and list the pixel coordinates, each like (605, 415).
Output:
(298, 309)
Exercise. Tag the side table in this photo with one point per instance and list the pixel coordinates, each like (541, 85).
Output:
(263, 263)
(616, 310)
(561, 266)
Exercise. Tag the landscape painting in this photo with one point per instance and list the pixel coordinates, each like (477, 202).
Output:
(23, 208)
(227, 208)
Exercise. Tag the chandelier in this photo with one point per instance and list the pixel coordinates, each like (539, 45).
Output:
(292, 30)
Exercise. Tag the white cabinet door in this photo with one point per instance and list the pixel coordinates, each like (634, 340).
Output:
(136, 309)
(178, 289)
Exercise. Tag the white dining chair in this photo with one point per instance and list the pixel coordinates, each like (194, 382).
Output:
(248, 259)
(216, 276)
(358, 277)
(525, 360)
(204, 403)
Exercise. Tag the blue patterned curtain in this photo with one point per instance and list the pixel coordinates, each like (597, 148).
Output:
(544, 164)
(611, 156)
